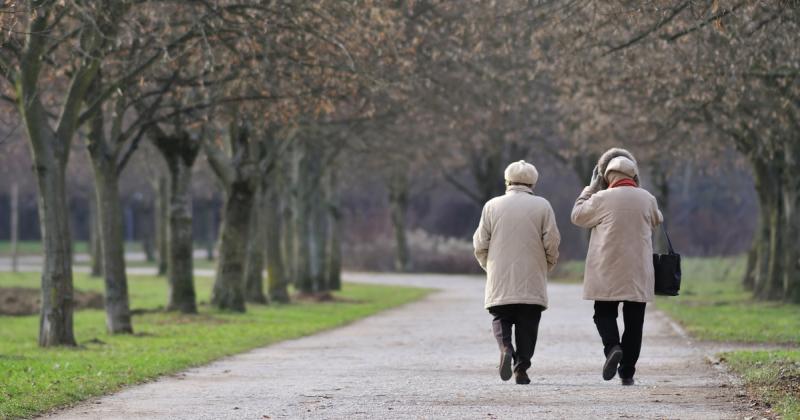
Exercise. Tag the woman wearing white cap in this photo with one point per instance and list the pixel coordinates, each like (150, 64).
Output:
(619, 263)
(517, 244)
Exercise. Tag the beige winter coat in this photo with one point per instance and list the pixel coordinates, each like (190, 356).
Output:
(517, 244)
(619, 263)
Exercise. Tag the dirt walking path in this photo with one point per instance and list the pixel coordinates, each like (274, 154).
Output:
(436, 358)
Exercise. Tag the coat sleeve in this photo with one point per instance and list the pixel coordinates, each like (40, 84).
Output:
(551, 238)
(586, 213)
(482, 236)
(656, 216)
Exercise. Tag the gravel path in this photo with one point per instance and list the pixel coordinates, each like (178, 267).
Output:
(436, 358)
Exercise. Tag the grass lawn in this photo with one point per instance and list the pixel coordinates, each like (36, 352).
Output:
(35, 380)
(35, 247)
(714, 306)
(198, 264)
(774, 376)
(568, 272)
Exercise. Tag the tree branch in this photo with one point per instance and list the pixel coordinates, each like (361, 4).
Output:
(642, 35)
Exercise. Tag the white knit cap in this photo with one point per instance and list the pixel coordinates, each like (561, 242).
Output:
(623, 165)
(522, 172)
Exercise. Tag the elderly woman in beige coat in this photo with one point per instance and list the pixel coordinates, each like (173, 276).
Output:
(619, 263)
(517, 244)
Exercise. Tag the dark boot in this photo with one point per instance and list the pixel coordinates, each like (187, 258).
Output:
(522, 377)
(506, 360)
(612, 363)
(627, 381)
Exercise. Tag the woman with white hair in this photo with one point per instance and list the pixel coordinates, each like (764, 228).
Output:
(517, 244)
(619, 263)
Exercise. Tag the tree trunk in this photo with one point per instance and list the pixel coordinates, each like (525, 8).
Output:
(96, 249)
(303, 280)
(180, 152)
(334, 252)
(50, 151)
(319, 245)
(118, 315)
(791, 224)
(211, 227)
(254, 266)
(773, 288)
(109, 214)
(55, 326)
(398, 208)
(50, 154)
(769, 266)
(162, 223)
(487, 169)
(287, 238)
(228, 293)
(661, 192)
(317, 192)
(276, 272)
(146, 230)
(749, 280)
(14, 227)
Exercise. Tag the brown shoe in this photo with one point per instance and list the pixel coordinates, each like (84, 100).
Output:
(522, 377)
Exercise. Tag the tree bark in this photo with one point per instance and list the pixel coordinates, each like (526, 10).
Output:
(661, 192)
(276, 269)
(228, 290)
(14, 227)
(334, 252)
(96, 249)
(303, 280)
(118, 315)
(254, 266)
(749, 280)
(146, 230)
(398, 208)
(180, 153)
(769, 266)
(162, 223)
(791, 225)
(287, 238)
(56, 325)
(240, 175)
(487, 169)
(50, 152)
(317, 202)
(109, 214)
(211, 226)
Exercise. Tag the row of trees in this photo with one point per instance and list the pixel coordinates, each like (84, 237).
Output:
(693, 77)
(282, 97)
(255, 86)
(674, 81)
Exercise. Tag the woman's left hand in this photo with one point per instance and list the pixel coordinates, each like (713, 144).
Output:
(594, 185)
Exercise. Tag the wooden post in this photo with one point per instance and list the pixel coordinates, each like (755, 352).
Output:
(14, 226)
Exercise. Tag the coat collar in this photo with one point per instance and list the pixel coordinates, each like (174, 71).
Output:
(518, 188)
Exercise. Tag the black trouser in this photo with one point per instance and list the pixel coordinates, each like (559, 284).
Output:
(605, 317)
(526, 319)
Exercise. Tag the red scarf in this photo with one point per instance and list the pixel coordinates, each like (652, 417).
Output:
(624, 182)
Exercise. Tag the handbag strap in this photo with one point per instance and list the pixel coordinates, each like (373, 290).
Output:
(666, 235)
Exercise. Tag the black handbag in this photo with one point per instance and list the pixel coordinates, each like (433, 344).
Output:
(667, 270)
